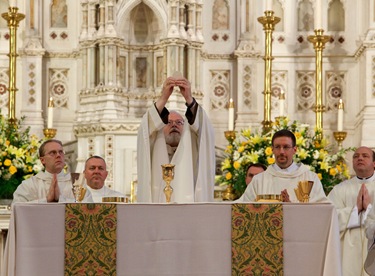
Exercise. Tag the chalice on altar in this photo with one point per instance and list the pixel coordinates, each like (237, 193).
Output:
(78, 190)
(168, 175)
(303, 190)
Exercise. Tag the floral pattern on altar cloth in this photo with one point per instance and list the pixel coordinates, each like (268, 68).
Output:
(257, 239)
(90, 239)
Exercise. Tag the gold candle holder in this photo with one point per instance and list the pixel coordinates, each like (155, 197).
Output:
(13, 18)
(229, 193)
(268, 21)
(79, 191)
(49, 133)
(230, 135)
(168, 176)
(319, 40)
(133, 191)
(339, 137)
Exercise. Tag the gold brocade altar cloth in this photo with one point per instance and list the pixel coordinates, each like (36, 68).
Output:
(257, 239)
(90, 239)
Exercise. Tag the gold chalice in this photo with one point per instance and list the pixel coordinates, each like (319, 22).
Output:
(78, 190)
(168, 175)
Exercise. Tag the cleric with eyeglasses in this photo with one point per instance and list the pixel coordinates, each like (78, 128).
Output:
(52, 184)
(283, 176)
(185, 141)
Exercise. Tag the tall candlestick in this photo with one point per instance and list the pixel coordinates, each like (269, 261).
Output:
(269, 4)
(12, 3)
(231, 115)
(340, 116)
(50, 113)
(282, 103)
(318, 15)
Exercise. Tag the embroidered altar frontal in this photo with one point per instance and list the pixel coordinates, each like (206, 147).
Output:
(257, 239)
(90, 239)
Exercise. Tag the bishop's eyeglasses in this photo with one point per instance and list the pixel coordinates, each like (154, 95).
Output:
(176, 122)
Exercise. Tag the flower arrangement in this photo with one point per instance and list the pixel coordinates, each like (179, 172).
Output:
(18, 156)
(256, 147)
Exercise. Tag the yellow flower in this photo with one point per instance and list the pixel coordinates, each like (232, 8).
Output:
(268, 151)
(297, 134)
(241, 149)
(270, 160)
(226, 164)
(256, 139)
(12, 169)
(7, 142)
(236, 165)
(300, 141)
(320, 176)
(253, 158)
(332, 171)
(338, 168)
(7, 162)
(246, 133)
(324, 166)
(228, 176)
(324, 142)
(229, 149)
(302, 153)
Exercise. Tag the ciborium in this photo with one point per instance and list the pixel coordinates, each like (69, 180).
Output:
(168, 175)
(303, 190)
(79, 191)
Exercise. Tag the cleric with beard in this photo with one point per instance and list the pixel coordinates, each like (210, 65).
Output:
(186, 141)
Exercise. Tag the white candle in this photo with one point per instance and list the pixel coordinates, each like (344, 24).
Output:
(50, 113)
(12, 3)
(340, 116)
(269, 4)
(282, 103)
(318, 15)
(231, 115)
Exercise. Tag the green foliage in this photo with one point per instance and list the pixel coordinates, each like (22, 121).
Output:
(255, 147)
(18, 156)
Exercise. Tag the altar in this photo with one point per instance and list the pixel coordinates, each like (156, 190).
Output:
(172, 239)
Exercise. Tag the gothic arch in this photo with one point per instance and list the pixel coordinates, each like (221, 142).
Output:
(124, 15)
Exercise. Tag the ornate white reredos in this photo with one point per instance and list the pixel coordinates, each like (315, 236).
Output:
(105, 127)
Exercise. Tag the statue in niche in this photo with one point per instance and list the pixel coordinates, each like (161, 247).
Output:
(3, 8)
(220, 15)
(141, 72)
(159, 72)
(305, 16)
(59, 14)
(336, 17)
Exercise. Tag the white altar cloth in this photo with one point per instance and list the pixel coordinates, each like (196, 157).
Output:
(172, 239)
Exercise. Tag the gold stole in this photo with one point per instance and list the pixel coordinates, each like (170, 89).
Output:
(90, 239)
(257, 239)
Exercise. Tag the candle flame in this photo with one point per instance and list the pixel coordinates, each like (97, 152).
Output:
(50, 102)
(341, 104)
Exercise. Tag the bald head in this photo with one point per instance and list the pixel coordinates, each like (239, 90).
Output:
(364, 162)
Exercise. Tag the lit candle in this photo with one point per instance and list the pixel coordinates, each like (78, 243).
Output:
(12, 3)
(318, 15)
(340, 116)
(50, 113)
(231, 115)
(282, 103)
(269, 5)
